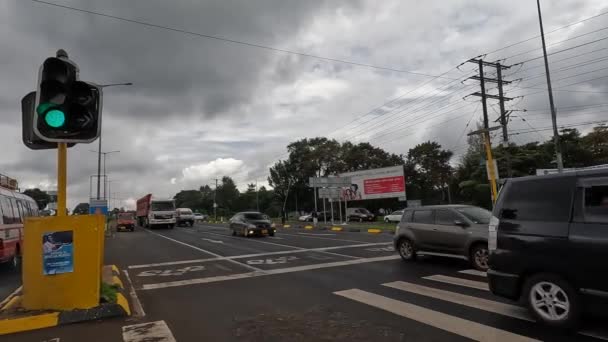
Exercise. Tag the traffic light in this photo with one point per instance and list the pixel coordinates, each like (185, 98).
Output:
(31, 140)
(67, 109)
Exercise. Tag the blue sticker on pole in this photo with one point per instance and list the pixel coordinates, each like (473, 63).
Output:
(58, 252)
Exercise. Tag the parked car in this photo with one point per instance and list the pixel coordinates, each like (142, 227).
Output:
(320, 217)
(549, 245)
(184, 216)
(445, 230)
(251, 223)
(359, 214)
(395, 216)
(126, 221)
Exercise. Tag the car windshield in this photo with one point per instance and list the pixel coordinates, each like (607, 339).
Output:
(186, 211)
(254, 216)
(163, 206)
(475, 214)
(364, 211)
(125, 216)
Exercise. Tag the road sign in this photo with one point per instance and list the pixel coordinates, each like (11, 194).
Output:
(328, 182)
(495, 170)
(331, 193)
(101, 205)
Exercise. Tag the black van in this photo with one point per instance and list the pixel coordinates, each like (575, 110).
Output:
(548, 242)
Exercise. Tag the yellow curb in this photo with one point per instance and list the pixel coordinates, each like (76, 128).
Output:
(116, 281)
(122, 301)
(12, 303)
(337, 229)
(286, 226)
(9, 326)
(115, 269)
(374, 230)
(308, 227)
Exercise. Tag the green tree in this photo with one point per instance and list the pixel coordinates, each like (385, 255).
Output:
(227, 196)
(596, 142)
(189, 199)
(41, 197)
(428, 172)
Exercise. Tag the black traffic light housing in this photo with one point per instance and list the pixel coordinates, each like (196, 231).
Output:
(30, 139)
(66, 109)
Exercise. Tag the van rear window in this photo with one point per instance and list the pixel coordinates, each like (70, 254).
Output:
(539, 200)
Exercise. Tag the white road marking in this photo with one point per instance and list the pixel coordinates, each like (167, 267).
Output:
(268, 272)
(138, 310)
(275, 238)
(439, 320)
(470, 301)
(213, 241)
(279, 260)
(168, 273)
(316, 236)
(458, 281)
(152, 331)
(599, 334)
(243, 256)
(474, 272)
(203, 250)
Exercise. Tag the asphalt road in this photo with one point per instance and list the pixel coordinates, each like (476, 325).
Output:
(202, 284)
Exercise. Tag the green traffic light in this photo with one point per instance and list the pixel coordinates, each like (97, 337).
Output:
(54, 118)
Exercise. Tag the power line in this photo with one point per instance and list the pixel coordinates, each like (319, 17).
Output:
(556, 61)
(538, 36)
(559, 42)
(233, 41)
(564, 50)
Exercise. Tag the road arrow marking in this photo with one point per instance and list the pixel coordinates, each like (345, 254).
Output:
(213, 241)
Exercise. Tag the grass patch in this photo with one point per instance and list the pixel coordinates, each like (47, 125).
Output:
(108, 293)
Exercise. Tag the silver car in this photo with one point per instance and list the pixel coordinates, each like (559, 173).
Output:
(445, 230)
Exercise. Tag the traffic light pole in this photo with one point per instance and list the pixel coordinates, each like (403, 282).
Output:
(62, 175)
(99, 169)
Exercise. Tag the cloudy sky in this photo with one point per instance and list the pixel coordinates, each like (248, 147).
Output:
(201, 107)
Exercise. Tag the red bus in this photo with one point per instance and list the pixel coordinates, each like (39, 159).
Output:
(14, 207)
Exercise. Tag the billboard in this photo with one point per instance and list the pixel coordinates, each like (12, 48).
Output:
(386, 182)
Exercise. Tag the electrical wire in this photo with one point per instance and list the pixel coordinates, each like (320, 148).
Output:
(547, 33)
(233, 41)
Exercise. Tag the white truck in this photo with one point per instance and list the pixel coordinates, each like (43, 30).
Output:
(153, 212)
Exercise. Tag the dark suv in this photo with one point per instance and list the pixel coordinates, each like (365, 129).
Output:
(548, 241)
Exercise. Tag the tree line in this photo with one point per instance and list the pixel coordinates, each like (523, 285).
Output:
(432, 174)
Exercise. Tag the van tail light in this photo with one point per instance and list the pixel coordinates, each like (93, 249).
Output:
(493, 233)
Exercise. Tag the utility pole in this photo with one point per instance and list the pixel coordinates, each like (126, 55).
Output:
(503, 120)
(257, 195)
(214, 202)
(558, 148)
(486, 127)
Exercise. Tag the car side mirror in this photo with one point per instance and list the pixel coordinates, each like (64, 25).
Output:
(460, 223)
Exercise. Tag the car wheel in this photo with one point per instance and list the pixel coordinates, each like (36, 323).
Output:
(479, 257)
(233, 232)
(553, 301)
(270, 233)
(406, 249)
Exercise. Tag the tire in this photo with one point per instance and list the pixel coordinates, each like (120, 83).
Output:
(543, 291)
(406, 249)
(478, 256)
(233, 232)
(171, 226)
(270, 233)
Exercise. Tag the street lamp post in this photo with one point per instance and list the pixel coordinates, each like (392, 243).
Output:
(99, 153)
(99, 148)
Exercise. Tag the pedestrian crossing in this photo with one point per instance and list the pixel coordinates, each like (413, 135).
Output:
(477, 298)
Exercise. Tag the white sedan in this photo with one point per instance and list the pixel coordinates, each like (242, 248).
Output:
(395, 216)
